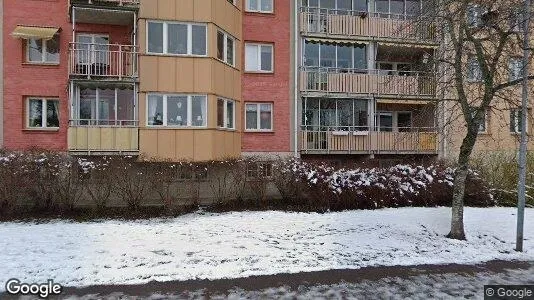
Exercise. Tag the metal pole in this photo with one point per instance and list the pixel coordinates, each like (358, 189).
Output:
(521, 193)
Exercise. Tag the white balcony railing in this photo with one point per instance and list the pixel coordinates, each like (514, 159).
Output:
(378, 82)
(346, 140)
(103, 60)
(366, 24)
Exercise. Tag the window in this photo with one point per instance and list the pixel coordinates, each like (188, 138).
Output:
(339, 114)
(515, 120)
(474, 15)
(176, 38)
(225, 113)
(225, 48)
(43, 51)
(515, 67)
(336, 56)
(259, 57)
(107, 107)
(474, 73)
(42, 113)
(482, 127)
(259, 170)
(517, 21)
(261, 6)
(176, 110)
(259, 116)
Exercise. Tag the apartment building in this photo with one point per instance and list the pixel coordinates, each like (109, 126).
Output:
(213, 79)
(165, 79)
(367, 87)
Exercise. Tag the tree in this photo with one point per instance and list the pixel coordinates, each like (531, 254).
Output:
(479, 40)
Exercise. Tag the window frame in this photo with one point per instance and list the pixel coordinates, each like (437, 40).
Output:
(258, 117)
(165, 110)
(515, 61)
(44, 49)
(165, 41)
(44, 107)
(257, 168)
(258, 54)
(226, 36)
(258, 8)
(478, 72)
(225, 113)
(517, 116)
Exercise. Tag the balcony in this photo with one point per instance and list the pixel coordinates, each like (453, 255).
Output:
(377, 82)
(110, 12)
(367, 26)
(103, 137)
(352, 140)
(104, 61)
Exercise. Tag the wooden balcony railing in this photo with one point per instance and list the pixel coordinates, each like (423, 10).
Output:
(378, 82)
(347, 140)
(103, 60)
(365, 24)
(103, 136)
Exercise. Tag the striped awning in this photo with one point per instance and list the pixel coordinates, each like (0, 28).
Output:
(336, 41)
(401, 101)
(34, 32)
(408, 45)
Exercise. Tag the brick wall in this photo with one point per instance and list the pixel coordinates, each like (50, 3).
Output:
(22, 80)
(275, 88)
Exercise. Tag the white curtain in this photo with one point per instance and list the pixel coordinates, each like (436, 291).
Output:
(152, 107)
(251, 58)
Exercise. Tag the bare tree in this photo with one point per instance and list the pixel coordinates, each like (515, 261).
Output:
(478, 40)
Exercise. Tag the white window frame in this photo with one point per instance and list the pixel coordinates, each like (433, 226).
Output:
(44, 108)
(166, 38)
(258, 53)
(517, 117)
(225, 48)
(258, 168)
(225, 113)
(258, 7)
(258, 117)
(43, 53)
(189, 110)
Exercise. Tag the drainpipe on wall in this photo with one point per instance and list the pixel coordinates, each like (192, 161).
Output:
(295, 78)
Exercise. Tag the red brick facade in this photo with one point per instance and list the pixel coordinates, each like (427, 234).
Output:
(22, 80)
(275, 88)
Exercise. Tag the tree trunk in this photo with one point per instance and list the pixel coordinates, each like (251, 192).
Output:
(457, 222)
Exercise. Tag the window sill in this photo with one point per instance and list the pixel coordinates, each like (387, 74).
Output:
(258, 131)
(260, 72)
(49, 130)
(226, 129)
(175, 55)
(43, 64)
(260, 13)
(175, 127)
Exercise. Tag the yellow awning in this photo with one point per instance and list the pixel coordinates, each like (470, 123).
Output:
(34, 32)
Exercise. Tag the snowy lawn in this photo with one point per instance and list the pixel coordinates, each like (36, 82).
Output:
(213, 246)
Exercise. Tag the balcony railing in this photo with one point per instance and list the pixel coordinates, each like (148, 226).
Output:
(378, 82)
(103, 136)
(103, 60)
(365, 24)
(352, 140)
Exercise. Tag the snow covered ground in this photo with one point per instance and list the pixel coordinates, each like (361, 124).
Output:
(231, 245)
